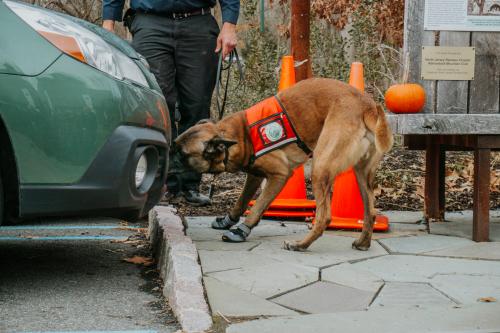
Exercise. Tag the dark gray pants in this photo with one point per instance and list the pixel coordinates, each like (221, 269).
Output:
(181, 54)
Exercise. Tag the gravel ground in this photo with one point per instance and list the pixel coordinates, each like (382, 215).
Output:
(400, 181)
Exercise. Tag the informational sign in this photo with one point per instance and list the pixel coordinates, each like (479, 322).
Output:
(462, 15)
(448, 63)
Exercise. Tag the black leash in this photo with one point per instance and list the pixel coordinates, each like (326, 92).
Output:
(221, 105)
(233, 57)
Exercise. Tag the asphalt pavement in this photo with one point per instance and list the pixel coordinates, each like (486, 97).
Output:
(69, 275)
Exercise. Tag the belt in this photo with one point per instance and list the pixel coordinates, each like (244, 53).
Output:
(183, 15)
(174, 16)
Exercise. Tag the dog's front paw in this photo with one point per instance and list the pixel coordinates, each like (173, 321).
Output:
(361, 246)
(292, 246)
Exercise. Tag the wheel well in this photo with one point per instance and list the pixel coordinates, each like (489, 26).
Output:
(10, 178)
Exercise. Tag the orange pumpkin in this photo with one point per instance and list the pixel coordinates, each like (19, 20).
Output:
(405, 98)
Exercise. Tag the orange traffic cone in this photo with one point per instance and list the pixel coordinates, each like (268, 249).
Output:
(292, 200)
(347, 204)
(356, 76)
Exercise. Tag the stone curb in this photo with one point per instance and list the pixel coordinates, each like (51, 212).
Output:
(177, 260)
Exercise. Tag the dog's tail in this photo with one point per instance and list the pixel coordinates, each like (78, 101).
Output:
(376, 122)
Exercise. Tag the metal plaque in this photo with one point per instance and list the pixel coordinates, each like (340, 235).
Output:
(448, 63)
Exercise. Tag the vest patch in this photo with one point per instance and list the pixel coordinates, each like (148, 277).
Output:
(269, 127)
(273, 131)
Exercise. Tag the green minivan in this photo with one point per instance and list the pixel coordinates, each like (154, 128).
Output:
(84, 127)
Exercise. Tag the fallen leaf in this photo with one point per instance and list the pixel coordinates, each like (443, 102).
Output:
(138, 260)
(133, 242)
(30, 237)
(118, 240)
(140, 230)
(487, 299)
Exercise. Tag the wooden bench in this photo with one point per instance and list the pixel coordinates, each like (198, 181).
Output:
(458, 115)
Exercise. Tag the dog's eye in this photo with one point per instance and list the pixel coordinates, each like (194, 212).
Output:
(207, 154)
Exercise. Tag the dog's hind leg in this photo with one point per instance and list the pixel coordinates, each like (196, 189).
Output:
(363, 243)
(340, 145)
(332, 155)
(322, 187)
(365, 175)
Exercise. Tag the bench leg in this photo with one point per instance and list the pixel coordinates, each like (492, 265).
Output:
(481, 214)
(434, 182)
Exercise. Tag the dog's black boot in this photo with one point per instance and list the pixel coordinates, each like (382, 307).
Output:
(238, 234)
(195, 198)
(223, 223)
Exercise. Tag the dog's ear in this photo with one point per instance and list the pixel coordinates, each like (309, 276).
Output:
(205, 121)
(218, 145)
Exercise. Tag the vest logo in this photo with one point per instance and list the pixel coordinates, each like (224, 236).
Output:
(272, 132)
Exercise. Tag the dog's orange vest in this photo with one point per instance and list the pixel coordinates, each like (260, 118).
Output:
(270, 128)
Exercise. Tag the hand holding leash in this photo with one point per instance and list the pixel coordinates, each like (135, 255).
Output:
(227, 40)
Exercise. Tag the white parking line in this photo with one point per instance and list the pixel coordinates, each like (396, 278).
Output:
(54, 238)
(91, 332)
(65, 227)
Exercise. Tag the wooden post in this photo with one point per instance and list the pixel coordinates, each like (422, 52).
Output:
(300, 37)
(481, 218)
(434, 181)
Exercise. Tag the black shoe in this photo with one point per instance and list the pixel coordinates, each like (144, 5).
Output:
(195, 198)
(170, 195)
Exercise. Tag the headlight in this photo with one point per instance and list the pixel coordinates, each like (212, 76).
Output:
(78, 42)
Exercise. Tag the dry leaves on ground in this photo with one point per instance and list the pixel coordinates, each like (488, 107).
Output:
(400, 184)
(138, 260)
(487, 299)
(127, 241)
(29, 236)
(139, 230)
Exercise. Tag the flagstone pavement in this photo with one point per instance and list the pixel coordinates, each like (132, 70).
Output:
(407, 275)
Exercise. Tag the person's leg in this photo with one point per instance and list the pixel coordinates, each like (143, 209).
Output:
(196, 65)
(153, 37)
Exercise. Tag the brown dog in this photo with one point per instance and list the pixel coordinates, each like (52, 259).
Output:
(343, 128)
